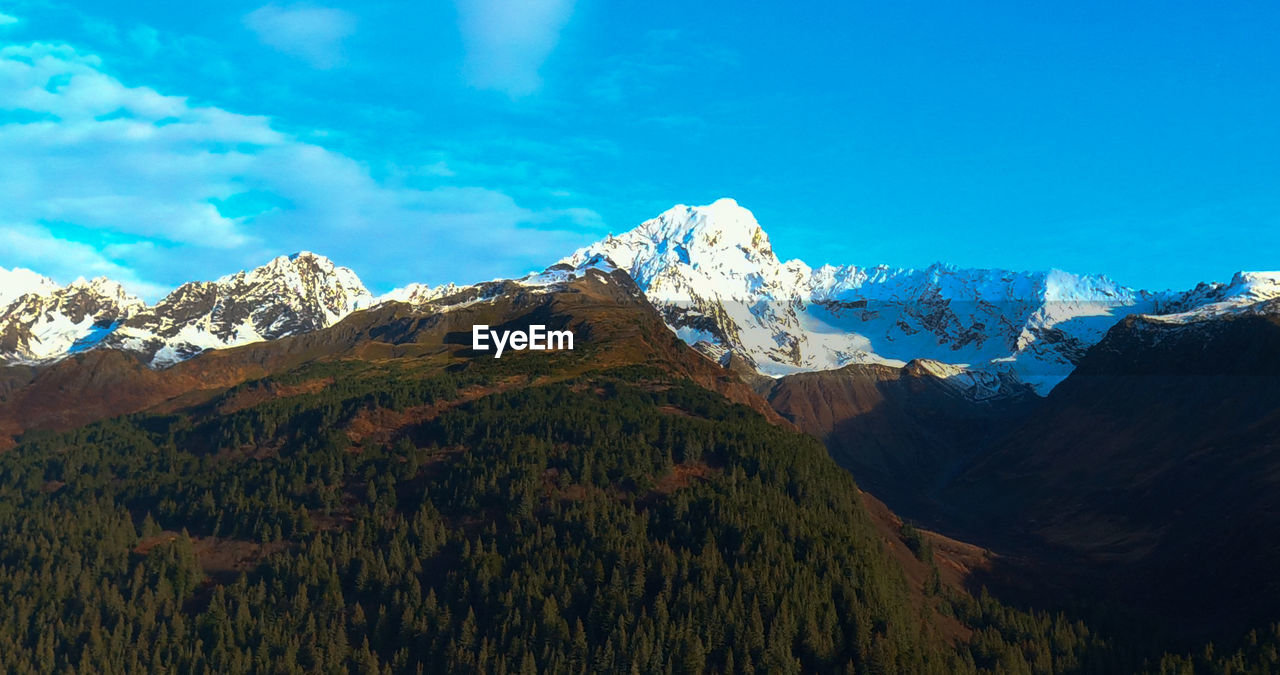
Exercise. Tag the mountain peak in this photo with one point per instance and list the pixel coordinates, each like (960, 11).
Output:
(296, 271)
(299, 260)
(17, 282)
(1247, 292)
(48, 321)
(721, 239)
(305, 260)
(1261, 284)
(720, 225)
(418, 294)
(288, 295)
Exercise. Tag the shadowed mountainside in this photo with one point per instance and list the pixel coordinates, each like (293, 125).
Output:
(903, 432)
(1156, 467)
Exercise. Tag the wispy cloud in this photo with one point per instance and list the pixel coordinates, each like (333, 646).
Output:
(314, 34)
(155, 189)
(64, 260)
(6, 20)
(507, 41)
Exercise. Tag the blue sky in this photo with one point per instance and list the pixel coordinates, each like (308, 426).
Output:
(436, 141)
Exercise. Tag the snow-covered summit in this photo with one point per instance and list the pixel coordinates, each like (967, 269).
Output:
(712, 272)
(17, 282)
(722, 238)
(44, 320)
(288, 295)
(555, 277)
(551, 279)
(418, 294)
(1246, 292)
(714, 275)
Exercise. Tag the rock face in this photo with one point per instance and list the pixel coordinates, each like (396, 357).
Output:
(714, 276)
(18, 282)
(289, 295)
(42, 320)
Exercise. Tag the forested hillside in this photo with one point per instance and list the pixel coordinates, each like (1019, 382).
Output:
(380, 517)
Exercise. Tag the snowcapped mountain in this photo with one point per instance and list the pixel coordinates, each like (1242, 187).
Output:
(40, 319)
(43, 321)
(712, 273)
(290, 294)
(419, 294)
(714, 276)
(18, 282)
(1247, 292)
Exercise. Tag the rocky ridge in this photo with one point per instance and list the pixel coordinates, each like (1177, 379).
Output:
(713, 275)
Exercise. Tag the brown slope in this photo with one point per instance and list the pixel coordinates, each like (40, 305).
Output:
(902, 431)
(614, 325)
(1151, 476)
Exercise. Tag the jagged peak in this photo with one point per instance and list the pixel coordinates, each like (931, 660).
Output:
(44, 291)
(19, 281)
(302, 264)
(107, 289)
(1264, 282)
(305, 260)
(300, 260)
(721, 236)
(99, 283)
(416, 293)
(1247, 291)
(1062, 286)
(718, 225)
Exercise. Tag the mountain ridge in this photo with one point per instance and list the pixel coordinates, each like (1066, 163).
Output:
(612, 319)
(712, 273)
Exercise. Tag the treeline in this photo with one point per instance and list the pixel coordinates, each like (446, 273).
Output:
(1258, 655)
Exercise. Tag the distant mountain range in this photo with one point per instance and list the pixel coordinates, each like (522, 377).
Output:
(720, 286)
(713, 275)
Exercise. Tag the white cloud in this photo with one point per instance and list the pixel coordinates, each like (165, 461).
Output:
(154, 189)
(64, 260)
(314, 34)
(126, 159)
(6, 20)
(508, 40)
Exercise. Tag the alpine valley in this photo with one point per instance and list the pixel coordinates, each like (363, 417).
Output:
(279, 470)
